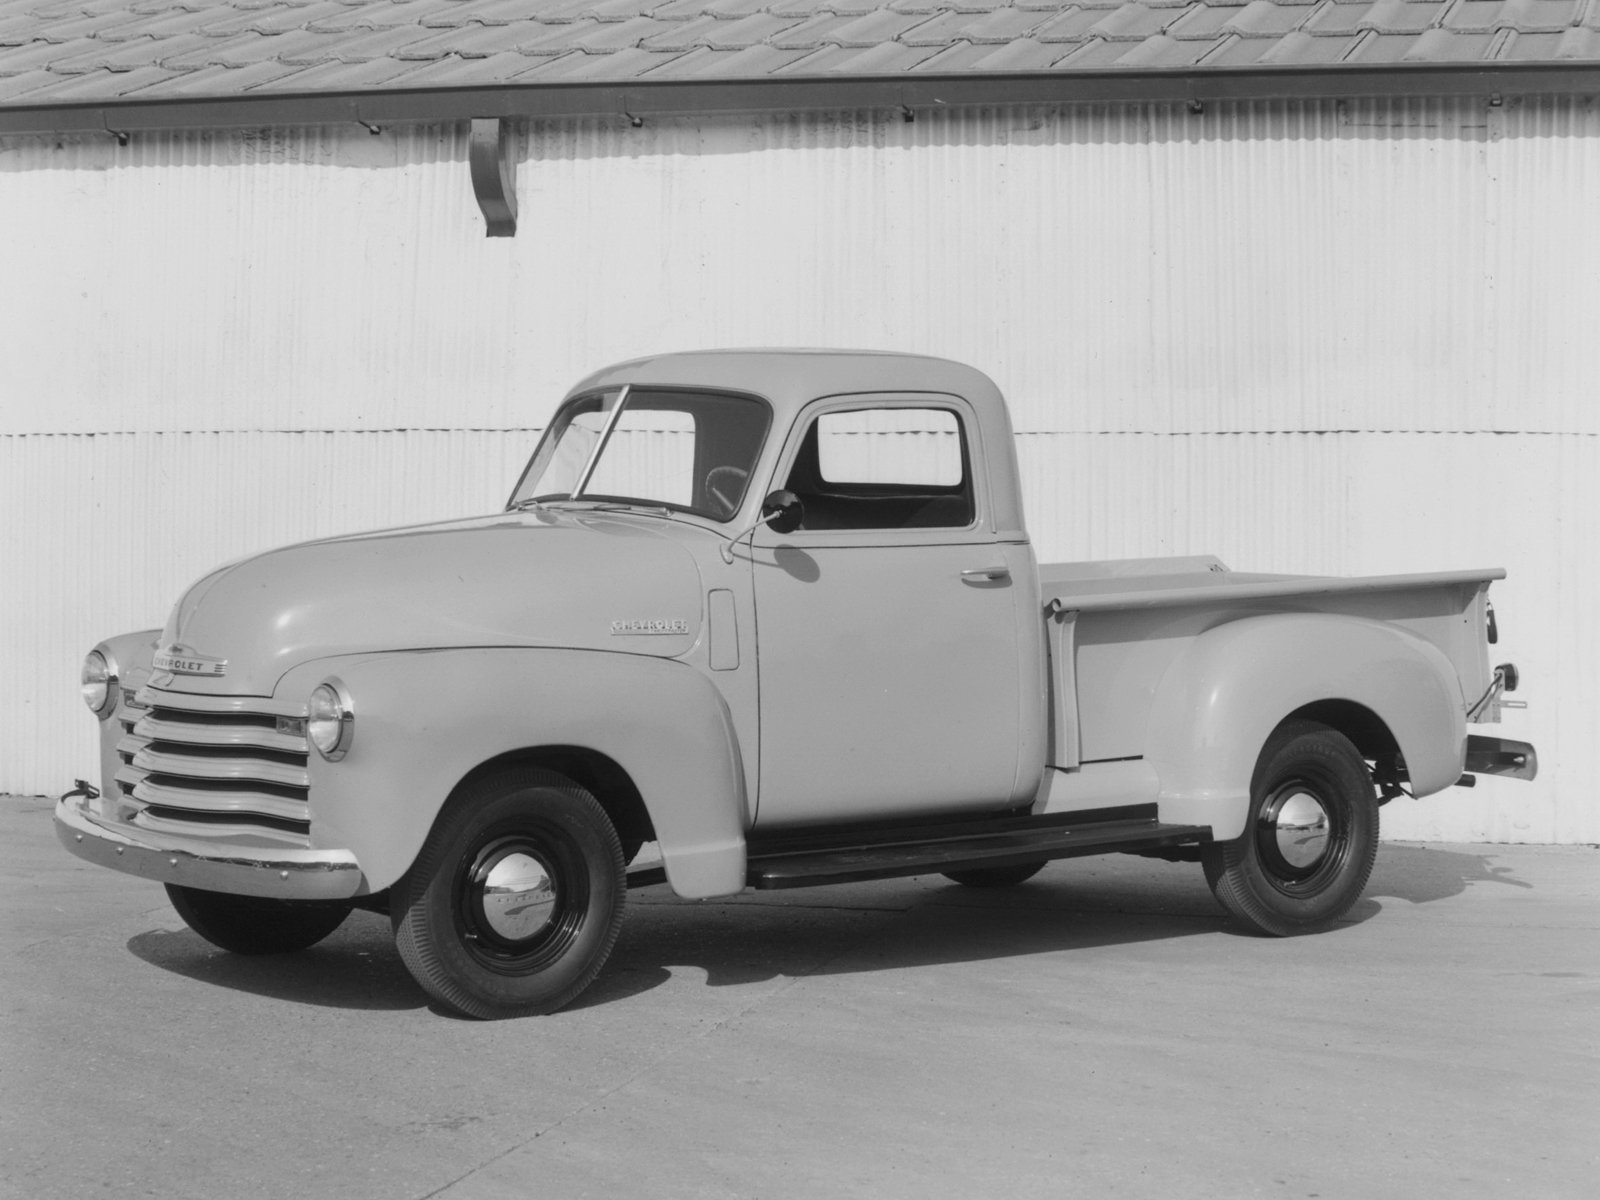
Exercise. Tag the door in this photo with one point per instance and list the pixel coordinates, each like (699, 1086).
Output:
(888, 623)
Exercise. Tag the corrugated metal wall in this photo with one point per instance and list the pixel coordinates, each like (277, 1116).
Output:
(1336, 337)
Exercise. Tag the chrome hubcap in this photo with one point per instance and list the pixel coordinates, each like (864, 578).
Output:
(1301, 830)
(519, 897)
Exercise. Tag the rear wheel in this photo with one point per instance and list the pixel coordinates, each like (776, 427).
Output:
(516, 898)
(996, 877)
(1311, 839)
(257, 924)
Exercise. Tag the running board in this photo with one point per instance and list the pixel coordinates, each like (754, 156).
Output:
(1004, 848)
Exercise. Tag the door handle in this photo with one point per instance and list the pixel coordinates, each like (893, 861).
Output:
(986, 575)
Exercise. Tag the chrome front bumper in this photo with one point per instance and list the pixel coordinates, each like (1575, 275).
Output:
(285, 874)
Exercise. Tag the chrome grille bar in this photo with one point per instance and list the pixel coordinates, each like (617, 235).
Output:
(160, 761)
(225, 763)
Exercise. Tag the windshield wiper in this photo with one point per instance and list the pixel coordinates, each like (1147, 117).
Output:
(583, 504)
(649, 510)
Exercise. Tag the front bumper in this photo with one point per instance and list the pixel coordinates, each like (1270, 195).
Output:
(284, 874)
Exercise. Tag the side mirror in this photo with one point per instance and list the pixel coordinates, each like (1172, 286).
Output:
(783, 511)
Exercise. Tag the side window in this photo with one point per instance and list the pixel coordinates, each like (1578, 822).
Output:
(884, 468)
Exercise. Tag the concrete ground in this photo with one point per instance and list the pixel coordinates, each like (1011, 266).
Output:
(1099, 1032)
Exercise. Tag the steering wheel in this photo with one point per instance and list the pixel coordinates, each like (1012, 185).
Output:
(724, 485)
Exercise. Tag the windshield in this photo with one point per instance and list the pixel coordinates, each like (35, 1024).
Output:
(684, 450)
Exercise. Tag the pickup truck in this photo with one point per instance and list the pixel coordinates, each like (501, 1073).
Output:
(777, 613)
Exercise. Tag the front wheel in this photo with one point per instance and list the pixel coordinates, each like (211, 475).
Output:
(1311, 838)
(256, 924)
(516, 898)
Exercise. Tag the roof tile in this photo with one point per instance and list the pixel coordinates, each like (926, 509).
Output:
(1303, 49)
(742, 32)
(95, 84)
(594, 36)
(1265, 18)
(14, 87)
(864, 32)
(1206, 21)
(1403, 16)
(1239, 51)
(1073, 25)
(579, 66)
(676, 10)
(736, 8)
(333, 75)
(746, 63)
(458, 14)
(1134, 22)
(1339, 17)
(1093, 54)
(1581, 44)
(469, 41)
(281, 20)
(1372, 47)
(1524, 16)
(207, 80)
(79, 27)
(296, 49)
(35, 56)
(103, 56)
(886, 58)
(960, 56)
(1021, 55)
(1163, 51)
(1003, 25)
(1444, 45)
(453, 70)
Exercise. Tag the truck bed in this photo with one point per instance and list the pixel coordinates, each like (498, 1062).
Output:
(1116, 626)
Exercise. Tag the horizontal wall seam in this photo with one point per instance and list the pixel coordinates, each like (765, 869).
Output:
(1205, 433)
(122, 433)
(533, 429)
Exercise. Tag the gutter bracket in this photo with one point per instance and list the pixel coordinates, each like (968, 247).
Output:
(494, 180)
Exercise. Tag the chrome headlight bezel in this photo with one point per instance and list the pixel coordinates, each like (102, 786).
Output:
(330, 720)
(98, 680)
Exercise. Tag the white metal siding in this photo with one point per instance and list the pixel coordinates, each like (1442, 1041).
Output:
(1339, 337)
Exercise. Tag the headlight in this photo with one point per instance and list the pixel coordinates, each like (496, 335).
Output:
(330, 721)
(98, 684)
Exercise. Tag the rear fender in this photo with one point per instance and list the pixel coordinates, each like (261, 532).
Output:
(1221, 699)
(424, 720)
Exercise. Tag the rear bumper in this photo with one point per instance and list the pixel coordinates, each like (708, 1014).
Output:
(285, 874)
(1501, 756)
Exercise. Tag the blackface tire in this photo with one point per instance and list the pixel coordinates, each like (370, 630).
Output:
(996, 877)
(1311, 838)
(256, 924)
(515, 900)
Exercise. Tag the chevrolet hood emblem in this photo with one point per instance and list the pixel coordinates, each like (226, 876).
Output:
(181, 660)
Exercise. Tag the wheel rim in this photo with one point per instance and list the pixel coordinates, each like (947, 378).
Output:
(519, 896)
(1302, 836)
(520, 901)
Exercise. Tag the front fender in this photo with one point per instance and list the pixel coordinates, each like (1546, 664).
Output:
(425, 719)
(1222, 697)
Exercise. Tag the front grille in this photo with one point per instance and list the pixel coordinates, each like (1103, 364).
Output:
(213, 765)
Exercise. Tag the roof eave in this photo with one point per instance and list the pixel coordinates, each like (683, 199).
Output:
(641, 99)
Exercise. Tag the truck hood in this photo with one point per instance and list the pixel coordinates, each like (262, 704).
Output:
(582, 580)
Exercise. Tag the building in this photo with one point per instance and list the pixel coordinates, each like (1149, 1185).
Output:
(1310, 286)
